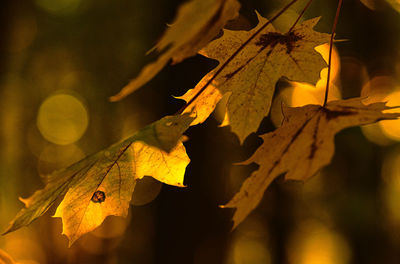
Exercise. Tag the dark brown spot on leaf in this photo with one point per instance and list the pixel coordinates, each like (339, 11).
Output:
(98, 197)
(331, 114)
(273, 38)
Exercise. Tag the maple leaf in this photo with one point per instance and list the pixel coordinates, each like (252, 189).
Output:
(301, 146)
(102, 184)
(250, 76)
(196, 24)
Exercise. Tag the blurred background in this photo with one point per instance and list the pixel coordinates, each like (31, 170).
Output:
(61, 60)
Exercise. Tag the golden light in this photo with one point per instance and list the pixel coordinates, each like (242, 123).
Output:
(59, 7)
(375, 134)
(308, 94)
(300, 94)
(391, 128)
(315, 243)
(5, 258)
(62, 119)
(248, 250)
(335, 64)
(23, 247)
(378, 88)
(250, 243)
(303, 93)
(397, 67)
(382, 89)
(28, 261)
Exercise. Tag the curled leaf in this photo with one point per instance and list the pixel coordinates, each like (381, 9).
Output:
(196, 24)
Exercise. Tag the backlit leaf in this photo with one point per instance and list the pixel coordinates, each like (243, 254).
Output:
(249, 78)
(301, 146)
(102, 184)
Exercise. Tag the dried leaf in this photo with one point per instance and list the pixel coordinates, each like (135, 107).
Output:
(250, 77)
(301, 146)
(102, 184)
(196, 24)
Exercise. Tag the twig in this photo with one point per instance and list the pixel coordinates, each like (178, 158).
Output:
(301, 14)
(330, 51)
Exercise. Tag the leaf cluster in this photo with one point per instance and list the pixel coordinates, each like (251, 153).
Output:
(250, 64)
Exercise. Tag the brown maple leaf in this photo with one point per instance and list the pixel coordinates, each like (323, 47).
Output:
(301, 146)
(249, 76)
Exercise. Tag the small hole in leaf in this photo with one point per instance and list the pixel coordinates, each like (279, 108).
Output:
(98, 197)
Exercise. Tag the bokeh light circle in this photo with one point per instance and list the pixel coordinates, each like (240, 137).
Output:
(62, 119)
(391, 128)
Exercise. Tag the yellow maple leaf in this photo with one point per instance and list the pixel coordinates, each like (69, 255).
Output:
(196, 24)
(102, 184)
(251, 62)
(301, 146)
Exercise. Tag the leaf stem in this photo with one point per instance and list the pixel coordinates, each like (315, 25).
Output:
(301, 14)
(235, 54)
(330, 51)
